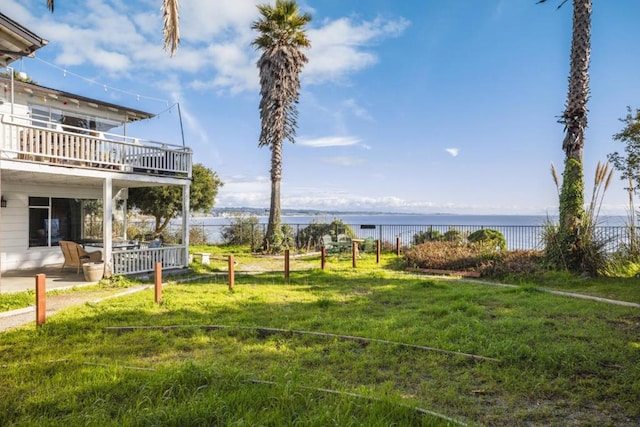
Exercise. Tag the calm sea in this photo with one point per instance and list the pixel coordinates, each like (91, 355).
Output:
(403, 219)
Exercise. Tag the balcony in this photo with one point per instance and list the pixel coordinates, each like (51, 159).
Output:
(26, 139)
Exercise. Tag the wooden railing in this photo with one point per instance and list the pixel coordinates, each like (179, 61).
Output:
(136, 261)
(37, 141)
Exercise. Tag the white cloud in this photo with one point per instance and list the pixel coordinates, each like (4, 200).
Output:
(453, 151)
(329, 141)
(343, 160)
(338, 47)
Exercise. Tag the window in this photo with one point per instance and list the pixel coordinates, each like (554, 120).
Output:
(55, 219)
(44, 116)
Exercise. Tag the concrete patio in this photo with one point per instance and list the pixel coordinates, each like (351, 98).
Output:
(23, 280)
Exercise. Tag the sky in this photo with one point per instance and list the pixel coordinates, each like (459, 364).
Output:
(406, 106)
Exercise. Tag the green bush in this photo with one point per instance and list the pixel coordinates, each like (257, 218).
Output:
(244, 230)
(430, 235)
(488, 237)
(311, 235)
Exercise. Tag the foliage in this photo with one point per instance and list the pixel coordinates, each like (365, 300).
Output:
(584, 252)
(447, 256)
(311, 235)
(492, 239)
(197, 235)
(507, 264)
(628, 164)
(243, 230)
(430, 235)
(281, 38)
(165, 203)
(629, 167)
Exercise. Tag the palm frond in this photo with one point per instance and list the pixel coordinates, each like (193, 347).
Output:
(171, 30)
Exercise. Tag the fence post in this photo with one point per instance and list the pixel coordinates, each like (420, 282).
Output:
(41, 299)
(398, 246)
(354, 254)
(158, 282)
(232, 273)
(378, 251)
(323, 257)
(286, 265)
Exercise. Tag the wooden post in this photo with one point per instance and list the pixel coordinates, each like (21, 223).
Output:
(378, 251)
(354, 254)
(323, 258)
(286, 265)
(158, 282)
(398, 246)
(232, 273)
(41, 299)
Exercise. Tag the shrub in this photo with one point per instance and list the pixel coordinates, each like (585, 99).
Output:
(520, 263)
(490, 238)
(311, 235)
(244, 230)
(430, 235)
(474, 257)
(453, 235)
(447, 256)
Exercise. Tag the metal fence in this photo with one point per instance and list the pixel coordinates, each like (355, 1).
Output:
(518, 237)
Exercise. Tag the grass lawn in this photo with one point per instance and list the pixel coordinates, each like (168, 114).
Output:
(210, 356)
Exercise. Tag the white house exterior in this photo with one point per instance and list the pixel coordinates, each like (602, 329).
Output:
(58, 161)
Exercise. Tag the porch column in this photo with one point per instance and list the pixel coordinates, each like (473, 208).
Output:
(107, 225)
(186, 190)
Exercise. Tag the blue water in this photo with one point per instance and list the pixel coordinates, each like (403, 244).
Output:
(402, 219)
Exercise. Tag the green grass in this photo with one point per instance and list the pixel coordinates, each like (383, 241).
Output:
(561, 360)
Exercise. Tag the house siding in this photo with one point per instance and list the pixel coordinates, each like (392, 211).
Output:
(16, 253)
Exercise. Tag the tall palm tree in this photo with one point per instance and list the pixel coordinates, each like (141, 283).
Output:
(574, 119)
(281, 39)
(171, 30)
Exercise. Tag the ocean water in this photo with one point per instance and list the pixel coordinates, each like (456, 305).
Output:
(425, 220)
(520, 231)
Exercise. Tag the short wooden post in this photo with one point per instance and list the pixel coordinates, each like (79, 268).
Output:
(41, 299)
(286, 265)
(378, 251)
(158, 282)
(232, 273)
(354, 254)
(323, 258)
(398, 246)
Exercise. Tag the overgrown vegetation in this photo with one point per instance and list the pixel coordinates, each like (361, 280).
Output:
(310, 236)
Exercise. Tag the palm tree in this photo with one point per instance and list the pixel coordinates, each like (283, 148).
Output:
(171, 30)
(281, 38)
(574, 119)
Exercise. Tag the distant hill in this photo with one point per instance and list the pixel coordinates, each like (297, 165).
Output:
(291, 212)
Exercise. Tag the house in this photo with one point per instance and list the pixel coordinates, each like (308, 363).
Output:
(65, 161)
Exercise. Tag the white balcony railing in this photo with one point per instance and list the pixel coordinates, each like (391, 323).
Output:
(136, 261)
(28, 139)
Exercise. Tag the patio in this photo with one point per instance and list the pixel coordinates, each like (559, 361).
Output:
(22, 280)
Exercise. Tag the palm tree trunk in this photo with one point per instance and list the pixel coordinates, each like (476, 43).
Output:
(575, 121)
(272, 237)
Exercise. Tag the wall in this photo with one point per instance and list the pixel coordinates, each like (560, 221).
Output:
(16, 254)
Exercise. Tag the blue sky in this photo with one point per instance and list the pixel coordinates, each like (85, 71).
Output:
(406, 106)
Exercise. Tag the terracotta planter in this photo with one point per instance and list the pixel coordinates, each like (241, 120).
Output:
(93, 271)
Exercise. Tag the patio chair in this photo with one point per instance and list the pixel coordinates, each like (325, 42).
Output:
(328, 243)
(75, 255)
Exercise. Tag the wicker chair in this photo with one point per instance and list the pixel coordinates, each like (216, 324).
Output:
(75, 255)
